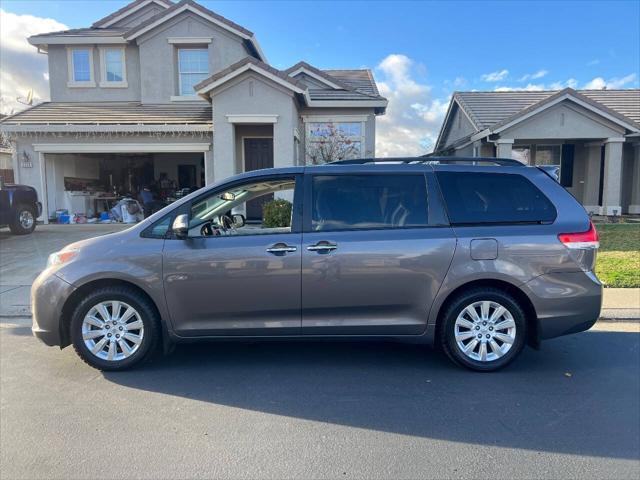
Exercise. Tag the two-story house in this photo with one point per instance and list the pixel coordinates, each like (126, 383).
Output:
(177, 94)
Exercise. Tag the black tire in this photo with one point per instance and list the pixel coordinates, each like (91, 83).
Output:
(147, 314)
(16, 226)
(447, 330)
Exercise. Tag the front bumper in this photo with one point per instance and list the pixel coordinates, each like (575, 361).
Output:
(39, 208)
(565, 302)
(48, 295)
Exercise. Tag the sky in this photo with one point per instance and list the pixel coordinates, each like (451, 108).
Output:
(420, 52)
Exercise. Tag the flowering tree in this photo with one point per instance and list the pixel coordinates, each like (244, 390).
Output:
(329, 144)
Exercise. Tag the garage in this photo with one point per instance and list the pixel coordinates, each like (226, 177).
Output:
(90, 184)
(86, 159)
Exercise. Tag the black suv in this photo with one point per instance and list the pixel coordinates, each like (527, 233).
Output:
(19, 207)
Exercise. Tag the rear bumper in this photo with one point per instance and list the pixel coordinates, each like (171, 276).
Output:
(48, 294)
(39, 208)
(565, 302)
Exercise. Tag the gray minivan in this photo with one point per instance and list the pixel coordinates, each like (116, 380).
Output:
(478, 256)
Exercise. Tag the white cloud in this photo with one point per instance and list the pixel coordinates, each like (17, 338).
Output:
(533, 76)
(593, 62)
(21, 67)
(413, 119)
(496, 76)
(599, 83)
(459, 82)
(531, 87)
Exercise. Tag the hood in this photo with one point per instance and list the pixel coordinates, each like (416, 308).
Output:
(16, 187)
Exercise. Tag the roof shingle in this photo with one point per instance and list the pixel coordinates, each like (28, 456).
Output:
(111, 113)
(491, 108)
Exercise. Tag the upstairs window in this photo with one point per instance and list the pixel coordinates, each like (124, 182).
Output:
(193, 67)
(113, 67)
(80, 67)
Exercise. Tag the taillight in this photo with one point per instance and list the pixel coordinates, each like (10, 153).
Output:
(588, 239)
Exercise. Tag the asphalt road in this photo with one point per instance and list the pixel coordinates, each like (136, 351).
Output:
(322, 410)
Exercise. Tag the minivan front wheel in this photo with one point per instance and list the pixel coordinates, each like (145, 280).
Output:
(114, 328)
(484, 329)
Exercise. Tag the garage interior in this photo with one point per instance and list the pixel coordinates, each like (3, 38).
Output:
(87, 184)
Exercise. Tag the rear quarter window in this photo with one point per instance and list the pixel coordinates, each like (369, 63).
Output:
(474, 198)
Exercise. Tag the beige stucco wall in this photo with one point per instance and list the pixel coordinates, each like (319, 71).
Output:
(59, 76)
(251, 94)
(564, 121)
(459, 127)
(158, 58)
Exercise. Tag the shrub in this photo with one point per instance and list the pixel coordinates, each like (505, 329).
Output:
(276, 213)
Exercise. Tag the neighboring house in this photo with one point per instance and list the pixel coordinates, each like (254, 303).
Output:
(592, 135)
(174, 90)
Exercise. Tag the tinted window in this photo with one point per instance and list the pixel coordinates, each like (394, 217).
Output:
(343, 202)
(493, 198)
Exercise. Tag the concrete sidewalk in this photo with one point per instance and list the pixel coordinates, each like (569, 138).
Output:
(621, 304)
(22, 258)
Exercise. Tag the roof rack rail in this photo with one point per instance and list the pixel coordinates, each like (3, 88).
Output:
(504, 162)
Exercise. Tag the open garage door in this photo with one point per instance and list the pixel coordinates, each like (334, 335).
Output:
(92, 182)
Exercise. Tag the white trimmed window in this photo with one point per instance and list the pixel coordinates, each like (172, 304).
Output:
(80, 62)
(114, 70)
(331, 141)
(193, 67)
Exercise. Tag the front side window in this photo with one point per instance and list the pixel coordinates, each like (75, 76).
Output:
(193, 67)
(81, 68)
(356, 202)
(114, 65)
(256, 208)
(477, 198)
(332, 141)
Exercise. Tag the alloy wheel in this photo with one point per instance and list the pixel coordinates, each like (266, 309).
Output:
(112, 330)
(485, 331)
(26, 219)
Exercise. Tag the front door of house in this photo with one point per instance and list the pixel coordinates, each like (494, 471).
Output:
(258, 154)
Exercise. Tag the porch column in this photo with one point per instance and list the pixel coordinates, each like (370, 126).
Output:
(224, 151)
(209, 177)
(477, 148)
(15, 164)
(504, 147)
(634, 207)
(612, 193)
(590, 196)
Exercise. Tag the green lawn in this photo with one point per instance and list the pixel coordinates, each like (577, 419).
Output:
(618, 262)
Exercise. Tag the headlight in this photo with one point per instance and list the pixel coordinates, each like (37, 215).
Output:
(58, 258)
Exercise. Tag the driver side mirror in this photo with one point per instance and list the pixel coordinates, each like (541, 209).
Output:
(239, 220)
(180, 226)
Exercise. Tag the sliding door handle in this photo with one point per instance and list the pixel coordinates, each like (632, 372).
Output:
(322, 247)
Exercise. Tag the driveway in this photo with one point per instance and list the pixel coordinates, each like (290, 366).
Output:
(23, 257)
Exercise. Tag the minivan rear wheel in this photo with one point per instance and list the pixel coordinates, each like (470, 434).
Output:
(114, 328)
(484, 329)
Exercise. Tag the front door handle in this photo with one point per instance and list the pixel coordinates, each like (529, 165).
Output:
(280, 248)
(322, 247)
